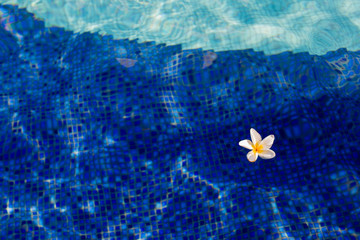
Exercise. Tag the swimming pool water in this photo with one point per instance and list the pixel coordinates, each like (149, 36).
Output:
(117, 139)
(264, 25)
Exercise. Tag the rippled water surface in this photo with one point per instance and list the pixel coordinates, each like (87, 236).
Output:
(267, 25)
(102, 138)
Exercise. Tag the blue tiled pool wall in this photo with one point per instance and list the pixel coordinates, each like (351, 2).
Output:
(115, 139)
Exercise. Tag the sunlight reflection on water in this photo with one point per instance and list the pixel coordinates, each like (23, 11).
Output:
(269, 26)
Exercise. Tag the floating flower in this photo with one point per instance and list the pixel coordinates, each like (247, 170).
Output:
(258, 146)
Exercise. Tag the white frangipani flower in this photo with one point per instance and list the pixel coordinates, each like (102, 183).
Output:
(258, 146)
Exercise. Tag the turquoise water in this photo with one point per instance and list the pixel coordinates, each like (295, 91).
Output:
(264, 25)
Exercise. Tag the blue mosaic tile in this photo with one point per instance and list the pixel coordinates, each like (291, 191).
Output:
(115, 139)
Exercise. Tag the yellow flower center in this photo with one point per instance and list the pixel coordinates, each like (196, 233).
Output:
(258, 148)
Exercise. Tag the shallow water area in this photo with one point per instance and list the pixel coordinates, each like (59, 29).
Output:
(270, 26)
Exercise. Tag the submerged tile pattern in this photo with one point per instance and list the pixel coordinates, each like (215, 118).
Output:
(113, 139)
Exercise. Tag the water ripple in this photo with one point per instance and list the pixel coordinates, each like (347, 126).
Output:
(270, 26)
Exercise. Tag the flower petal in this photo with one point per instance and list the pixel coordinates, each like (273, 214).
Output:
(267, 142)
(255, 136)
(246, 144)
(267, 154)
(251, 156)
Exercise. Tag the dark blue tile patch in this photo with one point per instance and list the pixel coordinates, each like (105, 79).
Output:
(115, 139)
